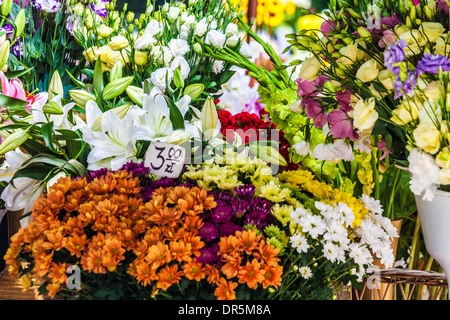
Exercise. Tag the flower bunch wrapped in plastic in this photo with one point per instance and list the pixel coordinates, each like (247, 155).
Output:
(357, 80)
(326, 236)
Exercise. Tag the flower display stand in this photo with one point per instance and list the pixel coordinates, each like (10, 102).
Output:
(432, 285)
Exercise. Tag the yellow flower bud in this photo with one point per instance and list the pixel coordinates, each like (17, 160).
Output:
(116, 71)
(6, 7)
(119, 111)
(140, 58)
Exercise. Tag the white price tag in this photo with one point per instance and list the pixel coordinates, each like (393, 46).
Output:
(165, 159)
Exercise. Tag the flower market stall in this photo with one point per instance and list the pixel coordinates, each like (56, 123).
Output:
(224, 150)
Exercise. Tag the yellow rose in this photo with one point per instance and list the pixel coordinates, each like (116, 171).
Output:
(414, 41)
(406, 112)
(140, 58)
(364, 114)
(386, 79)
(104, 31)
(431, 30)
(442, 160)
(368, 71)
(310, 69)
(432, 90)
(349, 54)
(118, 43)
(92, 53)
(441, 46)
(427, 137)
(444, 176)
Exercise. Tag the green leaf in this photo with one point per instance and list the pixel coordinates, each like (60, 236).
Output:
(175, 115)
(12, 103)
(98, 81)
(47, 133)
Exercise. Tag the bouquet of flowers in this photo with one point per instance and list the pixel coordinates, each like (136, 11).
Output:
(373, 66)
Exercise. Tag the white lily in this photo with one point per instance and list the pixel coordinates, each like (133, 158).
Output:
(60, 121)
(115, 143)
(156, 117)
(23, 192)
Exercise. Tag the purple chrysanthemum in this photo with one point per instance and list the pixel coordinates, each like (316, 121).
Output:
(96, 174)
(229, 229)
(208, 232)
(240, 207)
(431, 63)
(208, 255)
(138, 169)
(245, 192)
(222, 213)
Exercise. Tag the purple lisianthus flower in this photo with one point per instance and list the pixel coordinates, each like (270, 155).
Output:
(431, 63)
(405, 87)
(245, 192)
(314, 111)
(395, 54)
(49, 6)
(99, 8)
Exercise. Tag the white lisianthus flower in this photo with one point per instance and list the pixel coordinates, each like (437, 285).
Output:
(231, 30)
(215, 39)
(158, 78)
(424, 174)
(180, 62)
(173, 13)
(246, 50)
(178, 47)
(302, 148)
(200, 28)
(144, 41)
(232, 41)
(334, 152)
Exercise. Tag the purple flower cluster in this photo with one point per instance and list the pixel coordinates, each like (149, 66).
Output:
(392, 58)
(231, 214)
(431, 63)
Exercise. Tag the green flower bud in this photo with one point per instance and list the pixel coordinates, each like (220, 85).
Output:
(4, 53)
(116, 71)
(136, 94)
(194, 90)
(116, 87)
(267, 153)
(55, 86)
(13, 141)
(81, 97)
(20, 23)
(178, 78)
(52, 108)
(6, 7)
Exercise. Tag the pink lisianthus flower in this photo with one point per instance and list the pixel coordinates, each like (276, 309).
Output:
(341, 125)
(314, 111)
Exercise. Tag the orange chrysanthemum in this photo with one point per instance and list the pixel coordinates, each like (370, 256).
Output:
(251, 274)
(225, 290)
(168, 276)
(194, 270)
